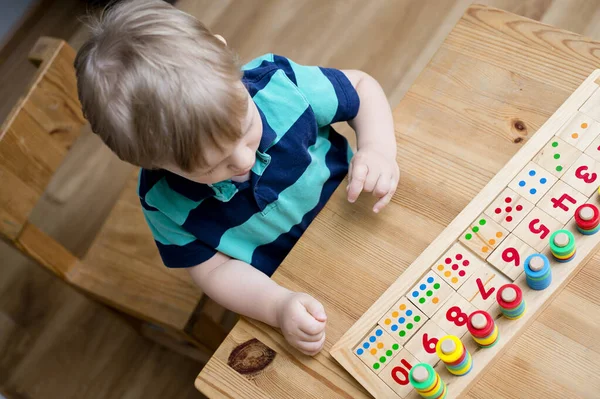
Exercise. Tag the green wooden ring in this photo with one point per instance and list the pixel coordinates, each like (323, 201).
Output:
(564, 250)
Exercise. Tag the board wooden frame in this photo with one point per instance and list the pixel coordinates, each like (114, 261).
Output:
(342, 351)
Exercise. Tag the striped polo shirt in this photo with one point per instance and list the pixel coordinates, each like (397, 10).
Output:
(300, 161)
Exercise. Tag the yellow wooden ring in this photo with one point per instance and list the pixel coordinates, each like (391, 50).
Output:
(454, 356)
(433, 388)
(464, 369)
(433, 393)
(489, 340)
(565, 256)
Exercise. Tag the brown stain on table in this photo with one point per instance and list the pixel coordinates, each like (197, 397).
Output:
(251, 357)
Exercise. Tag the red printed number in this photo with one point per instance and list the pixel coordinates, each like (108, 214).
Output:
(457, 316)
(484, 294)
(558, 203)
(586, 177)
(542, 230)
(400, 373)
(429, 344)
(511, 254)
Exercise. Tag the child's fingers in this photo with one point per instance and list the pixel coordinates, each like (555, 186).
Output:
(302, 336)
(384, 185)
(386, 198)
(372, 178)
(359, 174)
(309, 325)
(313, 307)
(312, 348)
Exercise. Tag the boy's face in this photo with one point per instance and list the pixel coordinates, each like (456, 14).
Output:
(235, 161)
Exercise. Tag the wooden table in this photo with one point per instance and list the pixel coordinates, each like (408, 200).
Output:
(491, 85)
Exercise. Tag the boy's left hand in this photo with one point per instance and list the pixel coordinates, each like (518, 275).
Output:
(373, 171)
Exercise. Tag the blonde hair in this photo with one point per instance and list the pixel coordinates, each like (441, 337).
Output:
(158, 87)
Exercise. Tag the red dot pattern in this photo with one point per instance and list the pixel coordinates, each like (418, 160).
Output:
(508, 209)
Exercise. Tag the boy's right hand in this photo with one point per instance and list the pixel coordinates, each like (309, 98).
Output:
(302, 320)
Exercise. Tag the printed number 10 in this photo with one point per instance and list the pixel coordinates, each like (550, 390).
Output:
(400, 373)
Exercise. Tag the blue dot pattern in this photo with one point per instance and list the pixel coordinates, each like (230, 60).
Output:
(429, 280)
(380, 352)
(394, 327)
(415, 294)
(409, 312)
(401, 320)
(533, 190)
(422, 286)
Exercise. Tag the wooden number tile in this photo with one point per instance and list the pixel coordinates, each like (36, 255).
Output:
(536, 228)
(377, 348)
(579, 131)
(480, 288)
(593, 149)
(583, 175)
(452, 316)
(402, 320)
(509, 209)
(561, 201)
(456, 265)
(395, 373)
(510, 255)
(557, 156)
(430, 293)
(591, 107)
(532, 182)
(422, 344)
(483, 236)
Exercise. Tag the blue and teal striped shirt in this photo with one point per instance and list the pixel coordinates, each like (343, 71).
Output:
(300, 161)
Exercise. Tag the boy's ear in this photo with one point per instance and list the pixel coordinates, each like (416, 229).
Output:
(221, 38)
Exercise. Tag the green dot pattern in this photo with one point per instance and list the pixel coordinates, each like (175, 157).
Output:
(555, 144)
(436, 286)
(429, 293)
(394, 347)
(417, 319)
(376, 366)
(422, 300)
(468, 236)
(482, 222)
(382, 359)
(389, 352)
(559, 168)
(556, 156)
(475, 229)
(402, 333)
(409, 326)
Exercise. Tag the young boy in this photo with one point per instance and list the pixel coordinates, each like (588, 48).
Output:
(235, 164)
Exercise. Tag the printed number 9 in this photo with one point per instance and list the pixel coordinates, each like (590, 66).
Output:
(511, 255)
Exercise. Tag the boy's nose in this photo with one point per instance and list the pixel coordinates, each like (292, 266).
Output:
(242, 159)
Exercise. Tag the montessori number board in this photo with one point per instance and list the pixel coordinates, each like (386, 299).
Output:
(532, 206)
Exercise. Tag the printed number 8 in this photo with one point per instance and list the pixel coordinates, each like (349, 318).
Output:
(456, 316)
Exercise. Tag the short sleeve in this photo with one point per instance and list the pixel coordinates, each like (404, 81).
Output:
(177, 247)
(328, 91)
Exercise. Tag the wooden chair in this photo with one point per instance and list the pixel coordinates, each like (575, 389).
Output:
(122, 268)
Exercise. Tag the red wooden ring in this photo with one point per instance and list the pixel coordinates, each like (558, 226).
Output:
(588, 224)
(510, 305)
(483, 333)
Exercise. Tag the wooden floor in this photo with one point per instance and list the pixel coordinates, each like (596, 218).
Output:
(56, 343)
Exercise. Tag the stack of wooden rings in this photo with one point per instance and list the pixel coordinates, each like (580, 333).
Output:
(427, 382)
(587, 219)
(510, 299)
(483, 329)
(455, 356)
(537, 272)
(562, 245)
